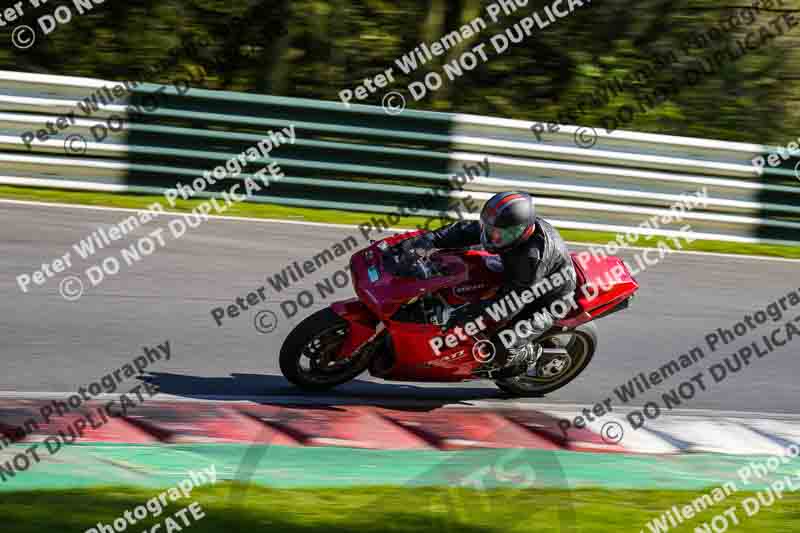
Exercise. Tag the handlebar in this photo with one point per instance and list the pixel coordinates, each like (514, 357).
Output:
(408, 259)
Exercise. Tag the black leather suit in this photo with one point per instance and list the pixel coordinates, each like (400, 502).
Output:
(529, 262)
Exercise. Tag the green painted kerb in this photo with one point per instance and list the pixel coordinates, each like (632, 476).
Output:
(85, 465)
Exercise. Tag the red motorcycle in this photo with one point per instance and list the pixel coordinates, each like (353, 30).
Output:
(404, 299)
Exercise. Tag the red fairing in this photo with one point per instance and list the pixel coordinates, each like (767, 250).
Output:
(362, 324)
(481, 283)
(603, 283)
(468, 275)
(416, 360)
(387, 294)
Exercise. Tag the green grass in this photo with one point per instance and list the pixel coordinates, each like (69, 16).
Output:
(384, 509)
(138, 201)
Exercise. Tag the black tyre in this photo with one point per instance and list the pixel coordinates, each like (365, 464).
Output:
(565, 356)
(307, 356)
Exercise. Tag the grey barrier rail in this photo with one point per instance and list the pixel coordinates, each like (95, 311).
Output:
(362, 158)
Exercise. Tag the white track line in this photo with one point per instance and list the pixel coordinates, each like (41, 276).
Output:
(349, 226)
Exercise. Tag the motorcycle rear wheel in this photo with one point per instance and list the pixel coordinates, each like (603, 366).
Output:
(565, 356)
(317, 340)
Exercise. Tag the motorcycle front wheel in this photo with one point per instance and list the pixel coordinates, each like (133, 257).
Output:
(564, 356)
(308, 356)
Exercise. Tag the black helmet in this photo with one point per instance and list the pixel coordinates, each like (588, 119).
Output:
(507, 219)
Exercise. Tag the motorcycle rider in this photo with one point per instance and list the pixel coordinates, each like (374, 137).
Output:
(530, 250)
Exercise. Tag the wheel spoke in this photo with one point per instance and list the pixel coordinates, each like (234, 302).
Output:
(321, 354)
(561, 355)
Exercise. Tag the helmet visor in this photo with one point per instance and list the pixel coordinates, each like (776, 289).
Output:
(497, 237)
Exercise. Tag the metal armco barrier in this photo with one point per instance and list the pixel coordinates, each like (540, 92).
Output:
(361, 158)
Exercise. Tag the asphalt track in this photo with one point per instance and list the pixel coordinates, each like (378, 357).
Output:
(50, 344)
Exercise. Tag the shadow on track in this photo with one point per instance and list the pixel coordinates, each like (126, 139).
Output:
(362, 392)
